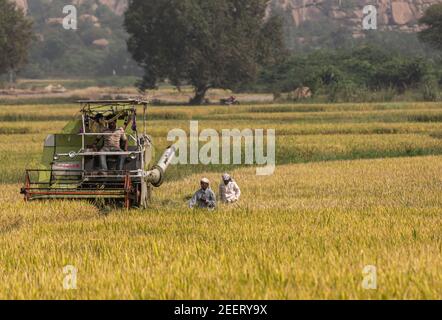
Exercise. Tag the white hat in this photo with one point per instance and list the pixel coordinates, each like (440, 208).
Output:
(205, 180)
(226, 177)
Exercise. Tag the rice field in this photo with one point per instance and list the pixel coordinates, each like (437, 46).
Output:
(355, 185)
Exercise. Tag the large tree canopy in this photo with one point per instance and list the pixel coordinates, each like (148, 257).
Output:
(433, 21)
(15, 37)
(205, 43)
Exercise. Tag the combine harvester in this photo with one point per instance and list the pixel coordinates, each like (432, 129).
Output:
(70, 167)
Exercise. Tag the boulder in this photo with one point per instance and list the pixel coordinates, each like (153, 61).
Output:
(102, 43)
(54, 21)
(403, 12)
(89, 18)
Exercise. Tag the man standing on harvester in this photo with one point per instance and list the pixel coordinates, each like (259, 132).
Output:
(112, 143)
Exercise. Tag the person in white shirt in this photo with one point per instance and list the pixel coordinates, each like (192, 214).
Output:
(229, 190)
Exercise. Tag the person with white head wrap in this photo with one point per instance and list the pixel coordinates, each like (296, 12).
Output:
(204, 198)
(229, 190)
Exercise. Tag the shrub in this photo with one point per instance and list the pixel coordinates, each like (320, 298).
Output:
(430, 90)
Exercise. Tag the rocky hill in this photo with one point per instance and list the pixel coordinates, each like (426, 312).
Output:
(392, 14)
(308, 24)
(117, 6)
(96, 48)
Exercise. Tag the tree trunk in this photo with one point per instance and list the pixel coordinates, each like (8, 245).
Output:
(200, 94)
(11, 77)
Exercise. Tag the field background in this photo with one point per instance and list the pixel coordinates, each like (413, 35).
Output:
(355, 185)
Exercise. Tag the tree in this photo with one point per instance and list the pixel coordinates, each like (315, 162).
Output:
(15, 37)
(433, 20)
(205, 43)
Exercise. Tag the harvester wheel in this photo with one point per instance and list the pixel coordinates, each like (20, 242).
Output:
(136, 196)
(128, 191)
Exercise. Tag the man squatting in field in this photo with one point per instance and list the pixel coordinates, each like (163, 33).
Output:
(229, 191)
(204, 198)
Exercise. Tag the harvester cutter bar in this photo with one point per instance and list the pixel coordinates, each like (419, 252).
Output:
(104, 187)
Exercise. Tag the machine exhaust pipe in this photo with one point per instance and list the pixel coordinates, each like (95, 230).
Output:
(156, 175)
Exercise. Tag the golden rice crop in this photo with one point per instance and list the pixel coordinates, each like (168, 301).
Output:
(306, 232)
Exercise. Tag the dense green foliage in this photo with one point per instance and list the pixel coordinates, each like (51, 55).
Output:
(346, 72)
(206, 43)
(15, 37)
(433, 20)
